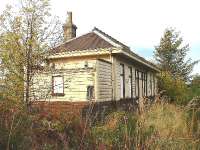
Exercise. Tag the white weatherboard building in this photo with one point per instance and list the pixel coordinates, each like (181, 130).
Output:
(94, 67)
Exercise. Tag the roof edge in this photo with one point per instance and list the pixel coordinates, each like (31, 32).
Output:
(141, 60)
(109, 38)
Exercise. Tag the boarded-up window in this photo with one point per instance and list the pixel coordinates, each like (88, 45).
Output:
(58, 86)
(122, 81)
(153, 85)
(130, 83)
(150, 80)
(90, 92)
(144, 83)
(136, 83)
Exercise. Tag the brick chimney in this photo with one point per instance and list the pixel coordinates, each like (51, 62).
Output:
(69, 28)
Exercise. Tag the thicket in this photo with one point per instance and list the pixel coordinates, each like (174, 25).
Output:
(159, 126)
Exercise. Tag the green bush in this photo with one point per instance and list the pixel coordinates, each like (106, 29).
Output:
(194, 87)
(173, 87)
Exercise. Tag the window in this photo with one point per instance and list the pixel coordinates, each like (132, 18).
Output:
(136, 83)
(122, 82)
(58, 86)
(90, 92)
(150, 84)
(144, 80)
(140, 80)
(130, 83)
(144, 84)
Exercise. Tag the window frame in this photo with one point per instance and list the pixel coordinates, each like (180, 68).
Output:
(57, 94)
(131, 79)
(151, 85)
(137, 86)
(122, 74)
(90, 92)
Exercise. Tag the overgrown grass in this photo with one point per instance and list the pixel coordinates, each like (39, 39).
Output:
(160, 126)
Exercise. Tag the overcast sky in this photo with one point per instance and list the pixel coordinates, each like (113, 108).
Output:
(137, 23)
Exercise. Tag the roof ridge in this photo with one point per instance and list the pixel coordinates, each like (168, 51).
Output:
(110, 37)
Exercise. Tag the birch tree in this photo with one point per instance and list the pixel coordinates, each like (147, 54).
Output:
(27, 33)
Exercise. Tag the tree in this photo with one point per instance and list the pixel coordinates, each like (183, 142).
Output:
(171, 55)
(26, 35)
(194, 86)
(196, 80)
(175, 89)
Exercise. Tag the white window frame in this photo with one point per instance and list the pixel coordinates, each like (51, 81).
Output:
(58, 88)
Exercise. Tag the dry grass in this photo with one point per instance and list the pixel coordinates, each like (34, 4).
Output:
(169, 120)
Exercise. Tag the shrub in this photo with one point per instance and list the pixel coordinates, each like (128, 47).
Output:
(162, 126)
(122, 131)
(14, 126)
(173, 87)
(193, 111)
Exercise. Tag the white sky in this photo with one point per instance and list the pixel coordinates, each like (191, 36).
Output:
(137, 23)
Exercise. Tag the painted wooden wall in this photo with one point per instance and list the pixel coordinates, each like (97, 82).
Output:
(77, 77)
(103, 80)
(126, 73)
(117, 61)
(102, 72)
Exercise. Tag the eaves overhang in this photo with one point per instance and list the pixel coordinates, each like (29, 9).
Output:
(137, 58)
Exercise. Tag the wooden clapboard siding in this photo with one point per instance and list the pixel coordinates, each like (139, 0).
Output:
(117, 76)
(41, 88)
(76, 79)
(104, 81)
(127, 63)
(80, 59)
(103, 74)
(75, 84)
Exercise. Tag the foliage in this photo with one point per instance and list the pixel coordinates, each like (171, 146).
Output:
(123, 131)
(169, 120)
(194, 87)
(171, 55)
(160, 126)
(196, 81)
(14, 126)
(174, 88)
(193, 110)
(27, 32)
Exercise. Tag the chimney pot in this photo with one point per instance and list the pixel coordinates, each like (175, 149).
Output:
(69, 28)
(69, 17)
